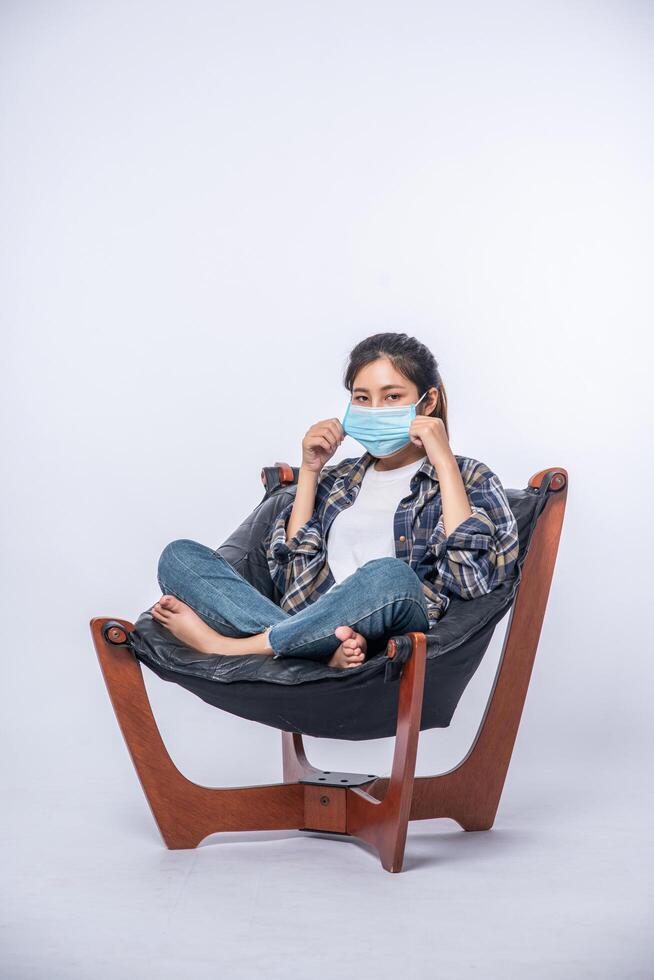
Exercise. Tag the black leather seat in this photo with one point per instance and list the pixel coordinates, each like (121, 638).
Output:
(293, 694)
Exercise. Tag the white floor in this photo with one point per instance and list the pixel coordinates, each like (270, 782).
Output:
(559, 889)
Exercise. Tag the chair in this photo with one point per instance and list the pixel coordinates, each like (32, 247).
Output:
(411, 685)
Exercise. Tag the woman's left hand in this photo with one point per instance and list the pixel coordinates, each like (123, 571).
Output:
(429, 433)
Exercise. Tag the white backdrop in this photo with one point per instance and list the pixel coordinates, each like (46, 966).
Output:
(204, 207)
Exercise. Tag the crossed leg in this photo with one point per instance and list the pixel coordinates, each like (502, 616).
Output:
(184, 623)
(209, 606)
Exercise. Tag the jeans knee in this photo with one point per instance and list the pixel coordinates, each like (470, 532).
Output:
(397, 569)
(386, 562)
(169, 558)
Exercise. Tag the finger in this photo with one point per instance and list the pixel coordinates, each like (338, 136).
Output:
(332, 433)
(336, 428)
(330, 436)
(317, 441)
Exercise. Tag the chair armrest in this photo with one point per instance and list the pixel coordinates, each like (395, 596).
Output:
(399, 651)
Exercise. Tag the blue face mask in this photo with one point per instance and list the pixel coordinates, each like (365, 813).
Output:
(382, 431)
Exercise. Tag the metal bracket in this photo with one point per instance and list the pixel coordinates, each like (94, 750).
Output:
(326, 778)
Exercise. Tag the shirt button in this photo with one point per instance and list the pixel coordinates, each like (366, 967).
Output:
(402, 538)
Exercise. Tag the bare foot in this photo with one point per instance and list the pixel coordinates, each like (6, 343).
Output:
(184, 623)
(352, 651)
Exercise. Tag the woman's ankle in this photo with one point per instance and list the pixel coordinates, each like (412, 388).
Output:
(267, 647)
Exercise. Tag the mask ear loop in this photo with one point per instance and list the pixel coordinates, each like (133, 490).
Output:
(422, 396)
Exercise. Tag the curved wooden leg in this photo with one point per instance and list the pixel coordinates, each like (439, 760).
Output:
(470, 793)
(295, 764)
(185, 812)
(383, 823)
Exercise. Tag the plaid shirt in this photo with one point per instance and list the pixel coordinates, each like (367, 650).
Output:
(473, 560)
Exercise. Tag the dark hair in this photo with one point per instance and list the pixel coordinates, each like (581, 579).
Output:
(408, 356)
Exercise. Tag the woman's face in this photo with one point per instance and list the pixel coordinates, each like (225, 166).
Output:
(379, 385)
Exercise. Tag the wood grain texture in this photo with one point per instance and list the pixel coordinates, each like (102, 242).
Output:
(185, 812)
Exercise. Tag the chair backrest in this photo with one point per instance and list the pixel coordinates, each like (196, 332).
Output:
(244, 549)
(464, 618)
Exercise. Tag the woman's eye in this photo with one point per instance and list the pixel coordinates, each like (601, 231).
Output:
(393, 395)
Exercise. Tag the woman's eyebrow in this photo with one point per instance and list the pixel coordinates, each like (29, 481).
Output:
(383, 388)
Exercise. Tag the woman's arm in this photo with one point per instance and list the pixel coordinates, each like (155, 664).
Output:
(305, 501)
(319, 444)
(478, 554)
(454, 498)
(295, 535)
(475, 542)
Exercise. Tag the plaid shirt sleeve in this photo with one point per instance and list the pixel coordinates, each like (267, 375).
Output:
(281, 554)
(482, 551)
(288, 561)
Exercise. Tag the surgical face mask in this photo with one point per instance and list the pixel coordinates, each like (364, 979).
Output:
(382, 431)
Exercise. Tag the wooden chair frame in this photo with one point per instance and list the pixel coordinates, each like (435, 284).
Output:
(373, 809)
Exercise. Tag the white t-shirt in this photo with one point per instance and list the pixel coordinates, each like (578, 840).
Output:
(364, 530)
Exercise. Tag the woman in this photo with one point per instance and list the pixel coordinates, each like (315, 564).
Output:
(427, 524)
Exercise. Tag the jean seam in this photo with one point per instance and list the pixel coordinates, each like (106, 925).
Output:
(208, 615)
(212, 587)
(316, 639)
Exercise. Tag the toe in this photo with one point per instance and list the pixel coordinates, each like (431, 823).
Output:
(172, 604)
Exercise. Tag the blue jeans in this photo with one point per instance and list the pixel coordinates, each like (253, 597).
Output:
(383, 598)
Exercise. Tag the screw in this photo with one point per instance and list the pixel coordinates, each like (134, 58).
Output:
(324, 800)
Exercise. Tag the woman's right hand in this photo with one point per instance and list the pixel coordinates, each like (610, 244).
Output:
(320, 443)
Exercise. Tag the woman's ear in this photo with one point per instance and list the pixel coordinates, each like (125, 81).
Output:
(428, 411)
